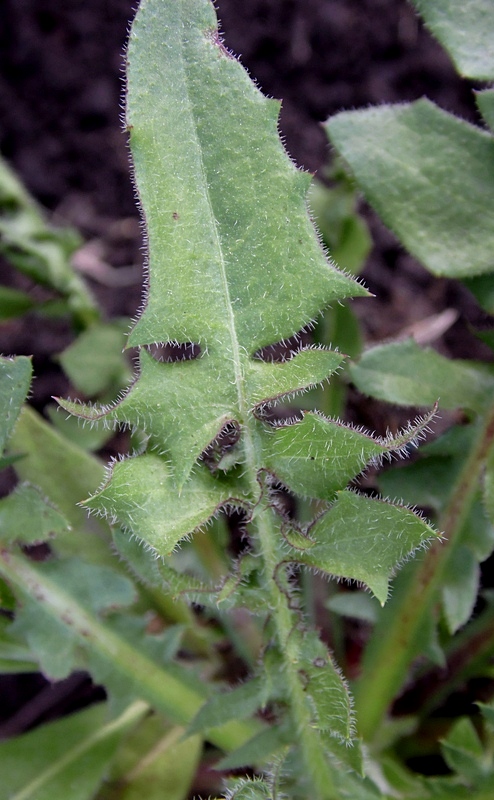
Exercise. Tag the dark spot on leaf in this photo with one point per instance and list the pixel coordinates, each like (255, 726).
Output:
(174, 351)
(176, 215)
(319, 662)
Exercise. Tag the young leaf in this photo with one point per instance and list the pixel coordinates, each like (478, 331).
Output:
(407, 159)
(238, 703)
(358, 525)
(26, 517)
(217, 234)
(15, 379)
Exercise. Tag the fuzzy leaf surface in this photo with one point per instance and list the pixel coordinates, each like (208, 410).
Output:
(154, 509)
(407, 374)
(211, 170)
(365, 539)
(26, 517)
(15, 379)
(465, 29)
(407, 159)
(317, 456)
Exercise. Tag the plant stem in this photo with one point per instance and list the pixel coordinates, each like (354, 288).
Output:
(394, 642)
(311, 746)
(159, 685)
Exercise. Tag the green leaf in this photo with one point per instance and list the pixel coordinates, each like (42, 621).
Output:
(153, 490)
(460, 587)
(13, 303)
(407, 159)
(218, 216)
(359, 605)
(53, 641)
(463, 751)
(485, 102)
(466, 29)
(94, 362)
(15, 379)
(67, 758)
(26, 517)
(405, 374)
(238, 703)
(39, 250)
(386, 533)
(326, 691)
(247, 789)
(154, 763)
(14, 655)
(257, 750)
(318, 456)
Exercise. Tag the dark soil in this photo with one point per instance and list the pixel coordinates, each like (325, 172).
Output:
(60, 128)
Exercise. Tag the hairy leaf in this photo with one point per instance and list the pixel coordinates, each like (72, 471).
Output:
(466, 29)
(15, 379)
(407, 159)
(391, 372)
(365, 539)
(26, 517)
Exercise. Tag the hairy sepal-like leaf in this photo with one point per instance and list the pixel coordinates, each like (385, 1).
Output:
(407, 159)
(211, 170)
(317, 456)
(365, 539)
(142, 495)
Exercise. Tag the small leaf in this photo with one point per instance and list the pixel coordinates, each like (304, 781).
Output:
(15, 379)
(153, 491)
(154, 763)
(67, 758)
(391, 372)
(466, 30)
(460, 587)
(366, 540)
(13, 303)
(237, 703)
(463, 751)
(326, 690)
(317, 456)
(26, 517)
(359, 605)
(257, 750)
(94, 362)
(407, 159)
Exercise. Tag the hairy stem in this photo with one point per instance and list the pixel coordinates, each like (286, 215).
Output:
(393, 644)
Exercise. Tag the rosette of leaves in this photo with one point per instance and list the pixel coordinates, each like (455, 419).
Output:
(235, 272)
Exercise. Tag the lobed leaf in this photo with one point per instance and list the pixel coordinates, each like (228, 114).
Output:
(218, 235)
(153, 509)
